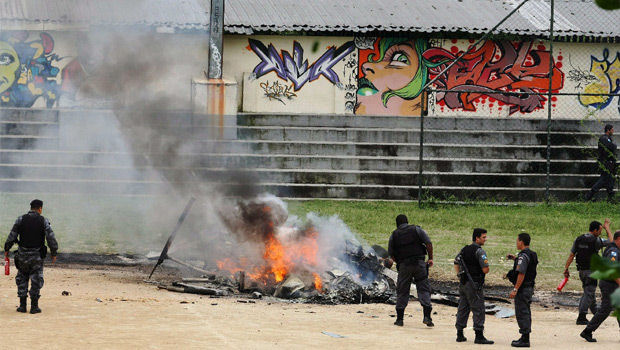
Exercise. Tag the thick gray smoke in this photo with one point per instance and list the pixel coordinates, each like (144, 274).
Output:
(135, 153)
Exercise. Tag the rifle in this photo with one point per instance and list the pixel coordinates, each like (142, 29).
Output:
(466, 270)
(164, 253)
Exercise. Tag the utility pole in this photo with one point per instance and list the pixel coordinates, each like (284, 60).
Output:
(215, 84)
(216, 29)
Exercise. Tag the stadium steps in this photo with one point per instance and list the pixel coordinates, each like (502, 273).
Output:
(304, 156)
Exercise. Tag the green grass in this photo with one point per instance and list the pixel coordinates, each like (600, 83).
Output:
(552, 227)
(131, 225)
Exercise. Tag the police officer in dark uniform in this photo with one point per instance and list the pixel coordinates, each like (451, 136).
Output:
(612, 252)
(606, 163)
(472, 264)
(30, 232)
(523, 276)
(583, 248)
(408, 246)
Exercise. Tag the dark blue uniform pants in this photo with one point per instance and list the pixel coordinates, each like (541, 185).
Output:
(607, 288)
(29, 268)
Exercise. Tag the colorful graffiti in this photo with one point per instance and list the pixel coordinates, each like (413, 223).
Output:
(277, 91)
(28, 70)
(604, 78)
(295, 68)
(496, 65)
(391, 76)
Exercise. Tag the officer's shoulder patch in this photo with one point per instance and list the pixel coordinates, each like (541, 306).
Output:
(486, 261)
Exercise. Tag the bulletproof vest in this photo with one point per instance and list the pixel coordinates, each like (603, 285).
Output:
(32, 231)
(586, 247)
(530, 274)
(468, 254)
(605, 154)
(407, 243)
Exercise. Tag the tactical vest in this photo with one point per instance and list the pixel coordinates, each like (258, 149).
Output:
(32, 231)
(407, 243)
(530, 274)
(468, 254)
(586, 247)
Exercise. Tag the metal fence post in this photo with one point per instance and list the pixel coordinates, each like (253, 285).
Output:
(421, 159)
(549, 93)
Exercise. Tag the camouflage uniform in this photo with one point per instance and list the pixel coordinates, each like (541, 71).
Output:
(28, 260)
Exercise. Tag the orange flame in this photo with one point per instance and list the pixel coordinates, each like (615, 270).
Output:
(276, 257)
(280, 258)
(318, 283)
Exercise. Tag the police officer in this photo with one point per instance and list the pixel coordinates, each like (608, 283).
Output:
(612, 252)
(30, 232)
(472, 265)
(523, 275)
(583, 248)
(607, 164)
(408, 246)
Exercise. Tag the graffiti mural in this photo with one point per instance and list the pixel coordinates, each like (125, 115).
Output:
(603, 78)
(295, 68)
(392, 73)
(28, 70)
(495, 65)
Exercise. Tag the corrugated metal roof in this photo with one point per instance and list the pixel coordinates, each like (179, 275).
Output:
(572, 17)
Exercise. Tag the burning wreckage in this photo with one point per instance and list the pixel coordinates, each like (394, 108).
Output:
(317, 261)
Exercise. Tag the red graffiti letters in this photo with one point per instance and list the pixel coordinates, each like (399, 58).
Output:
(495, 66)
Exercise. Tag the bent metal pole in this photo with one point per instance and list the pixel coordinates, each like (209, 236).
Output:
(164, 253)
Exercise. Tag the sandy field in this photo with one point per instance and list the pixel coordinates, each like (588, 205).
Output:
(114, 309)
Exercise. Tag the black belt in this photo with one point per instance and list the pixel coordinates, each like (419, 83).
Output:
(413, 258)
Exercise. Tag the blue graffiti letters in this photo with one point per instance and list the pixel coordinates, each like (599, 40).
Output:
(294, 68)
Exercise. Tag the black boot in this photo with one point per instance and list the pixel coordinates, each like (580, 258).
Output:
(34, 305)
(480, 339)
(22, 304)
(582, 320)
(524, 342)
(428, 321)
(460, 337)
(400, 314)
(587, 335)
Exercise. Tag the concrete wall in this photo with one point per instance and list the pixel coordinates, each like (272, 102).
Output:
(383, 76)
(65, 69)
(309, 74)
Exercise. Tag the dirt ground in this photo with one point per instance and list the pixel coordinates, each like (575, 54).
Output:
(114, 309)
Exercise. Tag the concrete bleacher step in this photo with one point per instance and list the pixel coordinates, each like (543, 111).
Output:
(479, 137)
(300, 176)
(316, 190)
(305, 156)
(443, 123)
(396, 149)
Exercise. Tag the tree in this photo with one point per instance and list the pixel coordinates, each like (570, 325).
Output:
(608, 4)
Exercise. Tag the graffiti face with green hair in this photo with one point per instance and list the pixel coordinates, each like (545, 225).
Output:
(392, 81)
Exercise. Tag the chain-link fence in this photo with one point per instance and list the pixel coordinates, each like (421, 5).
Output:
(521, 119)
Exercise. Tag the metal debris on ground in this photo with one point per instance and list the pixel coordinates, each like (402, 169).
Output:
(505, 313)
(333, 335)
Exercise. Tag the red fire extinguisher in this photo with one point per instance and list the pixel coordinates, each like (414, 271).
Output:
(562, 284)
(7, 266)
